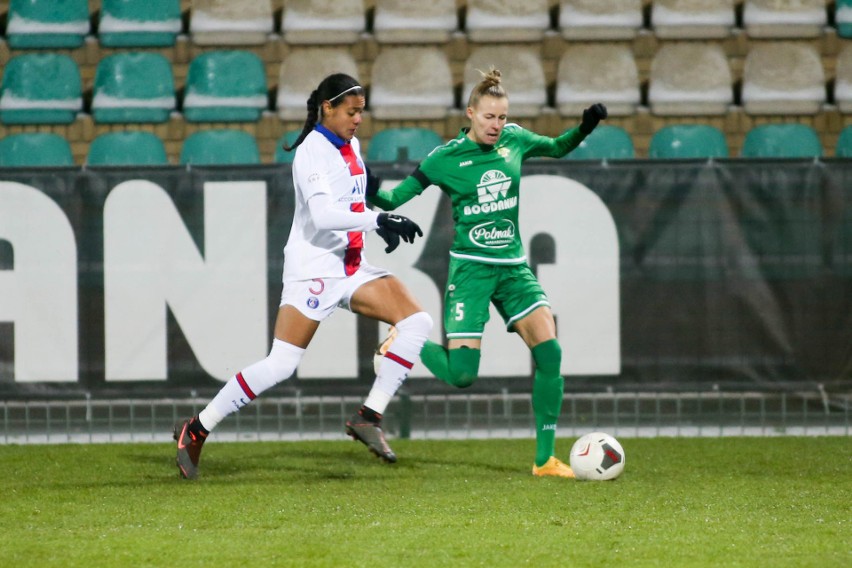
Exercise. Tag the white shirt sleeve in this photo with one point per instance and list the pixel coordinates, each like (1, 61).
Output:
(326, 217)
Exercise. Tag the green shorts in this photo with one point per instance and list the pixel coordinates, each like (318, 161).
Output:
(472, 286)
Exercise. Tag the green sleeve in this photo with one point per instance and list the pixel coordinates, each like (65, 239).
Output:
(544, 146)
(390, 199)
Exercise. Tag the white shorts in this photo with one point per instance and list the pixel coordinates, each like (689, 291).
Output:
(318, 298)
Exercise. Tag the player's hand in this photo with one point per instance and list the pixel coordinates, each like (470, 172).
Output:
(591, 117)
(402, 227)
(391, 239)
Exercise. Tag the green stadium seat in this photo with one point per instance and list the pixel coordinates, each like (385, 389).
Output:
(282, 156)
(225, 86)
(844, 143)
(139, 23)
(843, 17)
(220, 147)
(40, 88)
(393, 144)
(604, 143)
(35, 149)
(133, 87)
(47, 24)
(688, 141)
(130, 148)
(789, 140)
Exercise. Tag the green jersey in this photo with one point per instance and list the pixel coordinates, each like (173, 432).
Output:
(483, 184)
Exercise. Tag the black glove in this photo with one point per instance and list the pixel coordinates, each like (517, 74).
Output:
(391, 238)
(394, 227)
(591, 117)
(373, 183)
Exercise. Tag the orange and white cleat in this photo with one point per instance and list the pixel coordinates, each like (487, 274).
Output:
(382, 348)
(553, 468)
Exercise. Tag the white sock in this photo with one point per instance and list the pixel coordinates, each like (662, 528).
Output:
(397, 362)
(246, 385)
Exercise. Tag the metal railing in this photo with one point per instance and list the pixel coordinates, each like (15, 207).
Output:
(431, 416)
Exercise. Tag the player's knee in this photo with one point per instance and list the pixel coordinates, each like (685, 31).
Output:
(463, 380)
(283, 359)
(548, 357)
(464, 366)
(418, 324)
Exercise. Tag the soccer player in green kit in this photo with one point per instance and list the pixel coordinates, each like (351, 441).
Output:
(481, 172)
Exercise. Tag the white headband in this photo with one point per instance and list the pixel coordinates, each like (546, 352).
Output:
(344, 92)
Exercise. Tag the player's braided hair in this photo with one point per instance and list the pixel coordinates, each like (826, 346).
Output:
(334, 89)
(490, 85)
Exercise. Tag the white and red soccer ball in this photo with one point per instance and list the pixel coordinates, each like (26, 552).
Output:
(597, 457)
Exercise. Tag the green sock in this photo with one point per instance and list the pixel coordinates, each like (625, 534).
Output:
(548, 386)
(456, 367)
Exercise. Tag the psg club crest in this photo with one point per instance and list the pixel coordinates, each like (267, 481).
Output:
(313, 303)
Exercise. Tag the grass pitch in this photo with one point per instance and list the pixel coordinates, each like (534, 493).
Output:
(680, 502)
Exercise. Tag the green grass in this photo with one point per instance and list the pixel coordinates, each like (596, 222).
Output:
(680, 502)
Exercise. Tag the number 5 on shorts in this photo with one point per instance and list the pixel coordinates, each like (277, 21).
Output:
(460, 311)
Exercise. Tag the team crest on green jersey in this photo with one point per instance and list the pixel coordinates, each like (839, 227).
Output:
(493, 185)
(492, 194)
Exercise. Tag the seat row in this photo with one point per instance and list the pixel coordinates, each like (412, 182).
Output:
(235, 147)
(48, 24)
(417, 83)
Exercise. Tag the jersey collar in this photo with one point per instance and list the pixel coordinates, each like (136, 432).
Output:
(331, 136)
(484, 147)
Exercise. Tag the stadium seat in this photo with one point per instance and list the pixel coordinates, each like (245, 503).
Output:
(301, 72)
(47, 24)
(843, 17)
(225, 86)
(843, 80)
(600, 19)
(414, 21)
(400, 144)
(129, 148)
(783, 78)
(693, 19)
(843, 149)
(411, 83)
(283, 156)
(133, 87)
(690, 78)
(220, 147)
(788, 140)
(597, 72)
(230, 22)
(40, 88)
(606, 142)
(522, 73)
(323, 22)
(139, 23)
(507, 20)
(786, 19)
(33, 149)
(684, 141)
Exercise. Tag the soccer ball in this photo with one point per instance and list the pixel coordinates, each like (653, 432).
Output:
(597, 457)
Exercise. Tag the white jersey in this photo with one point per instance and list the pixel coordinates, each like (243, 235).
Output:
(331, 172)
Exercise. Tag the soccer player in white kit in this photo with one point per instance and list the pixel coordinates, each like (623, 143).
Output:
(325, 268)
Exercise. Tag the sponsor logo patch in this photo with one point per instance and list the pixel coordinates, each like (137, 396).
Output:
(493, 234)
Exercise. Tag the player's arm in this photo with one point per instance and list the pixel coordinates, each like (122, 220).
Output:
(543, 146)
(390, 199)
(327, 216)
